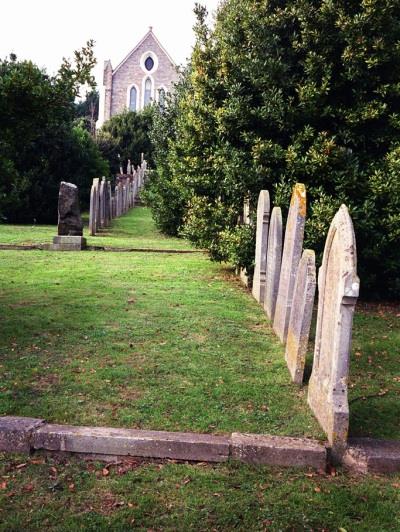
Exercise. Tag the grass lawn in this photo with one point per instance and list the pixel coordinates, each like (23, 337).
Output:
(167, 342)
(134, 229)
(39, 494)
(174, 342)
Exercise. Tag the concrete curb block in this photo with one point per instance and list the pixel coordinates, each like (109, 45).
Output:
(287, 452)
(366, 455)
(35, 434)
(50, 247)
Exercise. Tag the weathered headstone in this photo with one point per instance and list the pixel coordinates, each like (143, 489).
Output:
(246, 221)
(69, 214)
(102, 202)
(300, 316)
(70, 226)
(292, 249)
(92, 211)
(274, 258)
(338, 287)
(260, 269)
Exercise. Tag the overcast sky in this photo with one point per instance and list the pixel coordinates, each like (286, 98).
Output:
(47, 30)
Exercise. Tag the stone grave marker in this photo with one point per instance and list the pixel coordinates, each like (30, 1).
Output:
(274, 258)
(338, 287)
(260, 269)
(70, 226)
(292, 250)
(246, 221)
(300, 316)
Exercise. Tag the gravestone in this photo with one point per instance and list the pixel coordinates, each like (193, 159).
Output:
(246, 221)
(92, 211)
(338, 287)
(70, 226)
(260, 269)
(300, 316)
(102, 202)
(274, 258)
(292, 249)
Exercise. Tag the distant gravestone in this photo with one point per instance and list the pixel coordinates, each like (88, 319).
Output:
(292, 249)
(246, 221)
(69, 214)
(103, 202)
(274, 258)
(92, 211)
(260, 269)
(70, 226)
(338, 286)
(300, 316)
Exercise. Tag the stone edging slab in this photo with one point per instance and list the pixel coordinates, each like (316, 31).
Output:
(25, 435)
(48, 247)
(18, 434)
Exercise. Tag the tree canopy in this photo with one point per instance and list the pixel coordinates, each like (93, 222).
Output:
(39, 143)
(283, 92)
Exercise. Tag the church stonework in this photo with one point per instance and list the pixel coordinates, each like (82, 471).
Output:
(146, 75)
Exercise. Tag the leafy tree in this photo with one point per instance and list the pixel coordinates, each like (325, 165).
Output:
(39, 145)
(127, 136)
(87, 111)
(284, 92)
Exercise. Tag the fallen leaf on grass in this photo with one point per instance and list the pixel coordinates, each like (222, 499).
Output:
(3, 485)
(105, 472)
(317, 489)
(20, 466)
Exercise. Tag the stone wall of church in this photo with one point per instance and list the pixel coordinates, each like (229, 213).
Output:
(131, 72)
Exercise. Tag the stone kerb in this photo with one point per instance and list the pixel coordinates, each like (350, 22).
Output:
(338, 286)
(292, 250)
(274, 258)
(260, 269)
(300, 316)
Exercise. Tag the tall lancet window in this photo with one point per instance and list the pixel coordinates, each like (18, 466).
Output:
(147, 91)
(133, 99)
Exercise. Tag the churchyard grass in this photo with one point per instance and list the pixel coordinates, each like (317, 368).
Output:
(132, 230)
(168, 342)
(67, 494)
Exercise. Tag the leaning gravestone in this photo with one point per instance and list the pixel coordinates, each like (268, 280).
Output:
(338, 286)
(70, 226)
(263, 210)
(292, 249)
(300, 316)
(274, 258)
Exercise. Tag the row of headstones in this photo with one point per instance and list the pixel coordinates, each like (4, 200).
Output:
(106, 205)
(284, 284)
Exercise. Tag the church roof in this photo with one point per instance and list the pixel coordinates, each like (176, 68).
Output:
(149, 33)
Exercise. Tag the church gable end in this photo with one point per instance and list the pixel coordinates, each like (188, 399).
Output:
(145, 73)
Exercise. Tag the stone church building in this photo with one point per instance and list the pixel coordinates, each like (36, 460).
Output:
(145, 75)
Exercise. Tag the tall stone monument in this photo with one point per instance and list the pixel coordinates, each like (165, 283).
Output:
(338, 286)
(300, 316)
(292, 250)
(70, 226)
(274, 258)
(260, 269)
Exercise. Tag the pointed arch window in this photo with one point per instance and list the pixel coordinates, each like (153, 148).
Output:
(161, 97)
(133, 99)
(148, 87)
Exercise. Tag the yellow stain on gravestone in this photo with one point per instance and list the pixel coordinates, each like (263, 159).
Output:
(299, 192)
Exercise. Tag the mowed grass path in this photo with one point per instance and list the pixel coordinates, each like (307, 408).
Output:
(166, 341)
(134, 229)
